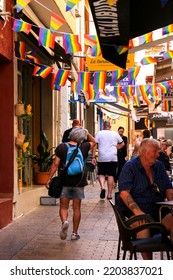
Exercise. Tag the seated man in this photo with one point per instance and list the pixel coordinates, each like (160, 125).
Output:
(142, 183)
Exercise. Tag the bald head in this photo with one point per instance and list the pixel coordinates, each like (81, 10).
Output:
(76, 123)
(147, 143)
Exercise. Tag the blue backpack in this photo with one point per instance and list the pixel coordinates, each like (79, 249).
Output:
(77, 165)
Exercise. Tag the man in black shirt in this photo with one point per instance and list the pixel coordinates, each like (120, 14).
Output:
(122, 153)
(76, 123)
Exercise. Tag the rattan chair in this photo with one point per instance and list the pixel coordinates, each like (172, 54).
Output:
(159, 242)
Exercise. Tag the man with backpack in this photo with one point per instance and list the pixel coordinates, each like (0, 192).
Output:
(75, 180)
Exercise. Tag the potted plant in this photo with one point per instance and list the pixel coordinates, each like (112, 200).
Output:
(43, 159)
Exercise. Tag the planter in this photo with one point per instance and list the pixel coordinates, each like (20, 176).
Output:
(41, 178)
(20, 139)
(19, 109)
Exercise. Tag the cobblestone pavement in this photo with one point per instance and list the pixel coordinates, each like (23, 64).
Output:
(35, 236)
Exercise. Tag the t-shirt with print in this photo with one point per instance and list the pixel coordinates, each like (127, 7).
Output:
(61, 152)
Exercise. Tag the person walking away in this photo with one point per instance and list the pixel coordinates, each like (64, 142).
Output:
(73, 188)
(143, 182)
(75, 123)
(122, 153)
(108, 141)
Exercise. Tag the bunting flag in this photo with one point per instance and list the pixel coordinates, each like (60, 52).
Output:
(125, 98)
(164, 87)
(167, 29)
(143, 89)
(122, 49)
(31, 59)
(146, 38)
(71, 44)
(153, 91)
(148, 60)
(83, 80)
(95, 50)
(74, 86)
(20, 49)
(167, 105)
(117, 91)
(21, 26)
(99, 80)
(91, 93)
(164, 2)
(168, 55)
(56, 22)
(129, 91)
(61, 77)
(132, 73)
(20, 4)
(89, 41)
(42, 71)
(116, 75)
(46, 38)
(136, 100)
(70, 4)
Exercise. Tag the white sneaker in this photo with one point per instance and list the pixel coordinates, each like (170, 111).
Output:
(75, 236)
(64, 230)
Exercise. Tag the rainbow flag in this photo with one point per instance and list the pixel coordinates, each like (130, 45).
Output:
(20, 49)
(42, 71)
(55, 22)
(70, 4)
(167, 105)
(71, 43)
(146, 38)
(164, 2)
(21, 26)
(167, 29)
(31, 59)
(74, 86)
(61, 77)
(125, 98)
(153, 91)
(116, 75)
(168, 55)
(122, 49)
(132, 73)
(117, 92)
(164, 87)
(20, 4)
(148, 60)
(46, 38)
(143, 90)
(91, 93)
(99, 80)
(129, 90)
(136, 100)
(95, 50)
(83, 80)
(89, 41)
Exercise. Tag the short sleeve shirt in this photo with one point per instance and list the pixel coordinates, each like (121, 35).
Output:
(134, 179)
(61, 152)
(107, 141)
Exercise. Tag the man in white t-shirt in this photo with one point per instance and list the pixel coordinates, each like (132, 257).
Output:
(108, 141)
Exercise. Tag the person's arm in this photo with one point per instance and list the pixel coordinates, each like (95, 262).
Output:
(130, 203)
(169, 194)
(53, 169)
(91, 140)
(120, 145)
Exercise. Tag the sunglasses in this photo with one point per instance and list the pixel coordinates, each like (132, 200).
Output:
(155, 187)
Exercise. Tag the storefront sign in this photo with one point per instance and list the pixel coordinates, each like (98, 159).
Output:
(160, 116)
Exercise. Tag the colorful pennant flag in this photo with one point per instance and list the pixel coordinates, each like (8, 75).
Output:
(143, 89)
(167, 29)
(46, 38)
(95, 50)
(168, 55)
(129, 91)
(20, 4)
(117, 92)
(42, 71)
(116, 75)
(74, 86)
(61, 77)
(55, 22)
(31, 59)
(132, 73)
(122, 49)
(136, 100)
(148, 60)
(89, 41)
(146, 38)
(99, 80)
(167, 105)
(91, 93)
(70, 4)
(20, 49)
(83, 80)
(125, 98)
(71, 44)
(21, 26)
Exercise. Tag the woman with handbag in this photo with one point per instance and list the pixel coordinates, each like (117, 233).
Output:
(73, 185)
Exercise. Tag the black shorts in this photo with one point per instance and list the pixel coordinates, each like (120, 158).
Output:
(107, 168)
